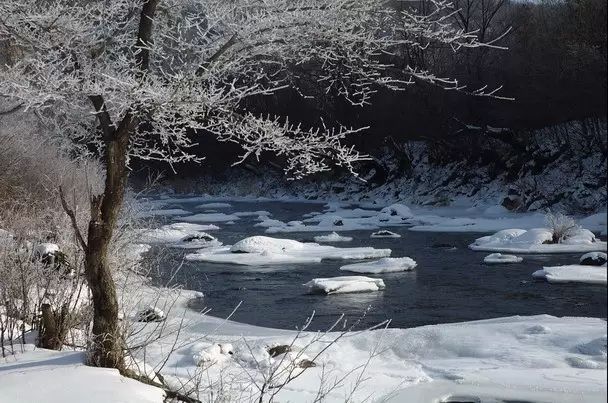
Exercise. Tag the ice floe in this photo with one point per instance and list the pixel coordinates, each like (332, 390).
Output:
(573, 274)
(500, 258)
(384, 265)
(344, 284)
(384, 234)
(262, 250)
(333, 237)
(537, 240)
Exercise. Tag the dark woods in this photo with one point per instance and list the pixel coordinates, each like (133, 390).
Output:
(554, 69)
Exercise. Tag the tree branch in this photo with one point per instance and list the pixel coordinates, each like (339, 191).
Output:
(72, 216)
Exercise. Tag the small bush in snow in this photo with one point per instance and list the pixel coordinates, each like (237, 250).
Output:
(561, 226)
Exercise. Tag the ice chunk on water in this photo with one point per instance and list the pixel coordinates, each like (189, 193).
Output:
(384, 265)
(573, 274)
(500, 258)
(344, 284)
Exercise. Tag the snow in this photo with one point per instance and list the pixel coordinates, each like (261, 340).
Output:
(40, 375)
(344, 284)
(536, 240)
(573, 274)
(384, 234)
(217, 353)
(46, 248)
(528, 358)
(384, 265)
(210, 217)
(213, 205)
(500, 258)
(173, 233)
(399, 210)
(333, 237)
(261, 250)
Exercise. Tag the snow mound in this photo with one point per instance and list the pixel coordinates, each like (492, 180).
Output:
(262, 250)
(384, 265)
(384, 234)
(333, 237)
(344, 284)
(573, 274)
(215, 354)
(537, 240)
(261, 244)
(173, 233)
(500, 258)
(593, 259)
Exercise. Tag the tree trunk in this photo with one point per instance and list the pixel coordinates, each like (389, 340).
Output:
(108, 343)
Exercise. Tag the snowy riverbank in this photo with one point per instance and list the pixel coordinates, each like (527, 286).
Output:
(538, 358)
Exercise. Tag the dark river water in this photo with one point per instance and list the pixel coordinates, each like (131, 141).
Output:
(450, 284)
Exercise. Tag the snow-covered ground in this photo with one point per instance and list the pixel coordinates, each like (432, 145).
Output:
(40, 375)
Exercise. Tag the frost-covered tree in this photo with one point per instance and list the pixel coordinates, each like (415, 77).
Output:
(141, 78)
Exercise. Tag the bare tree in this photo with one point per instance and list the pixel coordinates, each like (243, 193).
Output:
(138, 78)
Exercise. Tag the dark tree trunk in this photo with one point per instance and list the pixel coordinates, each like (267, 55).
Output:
(108, 343)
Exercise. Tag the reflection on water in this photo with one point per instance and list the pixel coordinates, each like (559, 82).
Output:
(450, 284)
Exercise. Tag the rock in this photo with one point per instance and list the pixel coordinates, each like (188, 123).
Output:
(278, 350)
(202, 236)
(512, 200)
(306, 364)
(338, 222)
(151, 314)
(593, 259)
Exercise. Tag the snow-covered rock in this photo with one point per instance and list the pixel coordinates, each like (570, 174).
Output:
(200, 240)
(214, 354)
(500, 258)
(151, 314)
(45, 249)
(333, 237)
(537, 240)
(344, 284)
(398, 210)
(384, 234)
(173, 233)
(261, 250)
(384, 265)
(573, 274)
(593, 259)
